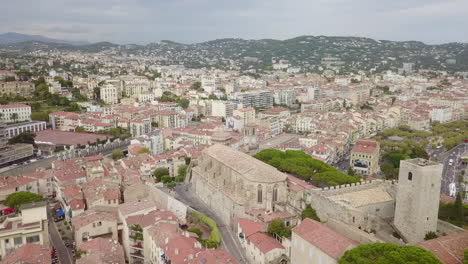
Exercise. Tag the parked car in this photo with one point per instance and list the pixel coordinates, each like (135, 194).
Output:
(450, 162)
(7, 211)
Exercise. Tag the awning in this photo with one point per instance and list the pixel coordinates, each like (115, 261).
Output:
(59, 212)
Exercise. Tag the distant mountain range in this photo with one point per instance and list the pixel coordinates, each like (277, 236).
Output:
(309, 53)
(13, 37)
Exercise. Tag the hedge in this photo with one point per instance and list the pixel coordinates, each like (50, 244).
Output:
(214, 239)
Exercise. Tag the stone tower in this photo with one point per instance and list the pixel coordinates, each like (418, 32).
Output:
(417, 198)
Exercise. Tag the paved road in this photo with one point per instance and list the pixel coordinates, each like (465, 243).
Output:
(229, 240)
(450, 172)
(57, 242)
(343, 163)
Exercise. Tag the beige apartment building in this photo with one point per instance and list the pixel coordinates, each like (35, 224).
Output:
(365, 157)
(28, 226)
(94, 223)
(109, 94)
(247, 114)
(17, 88)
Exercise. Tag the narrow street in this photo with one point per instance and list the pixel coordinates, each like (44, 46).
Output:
(450, 171)
(228, 238)
(56, 241)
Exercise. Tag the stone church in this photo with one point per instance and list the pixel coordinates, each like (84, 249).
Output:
(233, 183)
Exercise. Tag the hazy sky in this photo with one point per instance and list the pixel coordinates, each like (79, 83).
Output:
(143, 21)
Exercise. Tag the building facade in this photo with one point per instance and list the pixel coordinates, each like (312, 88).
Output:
(15, 113)
(417, 198)
(28, 226)
(365, 157)
(17, 88)
(232, 183)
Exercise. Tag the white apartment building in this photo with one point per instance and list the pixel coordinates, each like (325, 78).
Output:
(247, 114)
(260, 99)
(109, 94)
(153, 141)
(285, 96)
(209, 83)
(232, 87)
(15, 112)
(313, 93)
(304, 124)
(222, 108)
(443, 114)
(146, 97)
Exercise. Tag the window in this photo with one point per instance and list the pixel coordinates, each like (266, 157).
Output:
(32, 239)
(18, 241)
(259, 194)
(410, 176)
(99, 223)
(275, 193)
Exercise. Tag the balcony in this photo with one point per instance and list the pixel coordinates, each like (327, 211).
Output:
(137, 246)
(137, 254)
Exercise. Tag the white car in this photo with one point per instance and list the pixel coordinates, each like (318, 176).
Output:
(450, 162)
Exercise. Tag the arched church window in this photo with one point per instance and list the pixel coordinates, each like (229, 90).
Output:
(259, 194)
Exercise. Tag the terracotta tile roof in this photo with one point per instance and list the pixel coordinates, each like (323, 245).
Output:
(102, 250)
(13, 106)
(264, 242)
(327, 240)
(250, 227)
(29, 253)
(150, 218)
(91, 216)
(365, 146)
(449, 249)
(213, 256)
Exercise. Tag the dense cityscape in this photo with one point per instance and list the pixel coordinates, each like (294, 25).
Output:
(308, 150)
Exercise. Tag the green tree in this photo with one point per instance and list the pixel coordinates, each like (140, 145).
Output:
(74, 107)
(351, 171)
(418, 152)
(15, 200)
(395, 159)
(459, 209)
(184, 103)
(166, 179)
(196, 86)
(80, 129)
(277, 227)
(40, 116)
(144, 151)
(310, 212)
(430, 235)
(14, 116)
(385, 253)
(181, 173)
(160, 172)
(389, 171)
(25, 137)
(117, 154)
